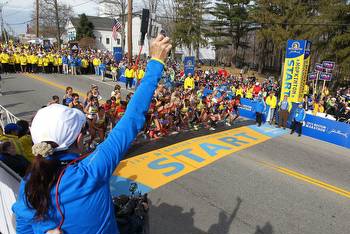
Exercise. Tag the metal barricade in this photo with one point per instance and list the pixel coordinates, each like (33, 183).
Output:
(6, 117)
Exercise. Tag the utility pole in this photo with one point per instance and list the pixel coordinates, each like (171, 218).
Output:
(130, 31)
(3, 31)
(37, 18)
(57, 26)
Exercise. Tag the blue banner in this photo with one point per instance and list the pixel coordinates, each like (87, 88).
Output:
(189, 64)
(247, 109)
(327, 130)
(316, 127)
(118, 54)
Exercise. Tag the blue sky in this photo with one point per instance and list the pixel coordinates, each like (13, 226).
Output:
(17, 12)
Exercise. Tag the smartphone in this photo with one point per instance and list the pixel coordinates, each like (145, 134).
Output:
(163, 32)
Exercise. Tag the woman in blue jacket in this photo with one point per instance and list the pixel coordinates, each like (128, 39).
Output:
(84, 195)
(260, 108)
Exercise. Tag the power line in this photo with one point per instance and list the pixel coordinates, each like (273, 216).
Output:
(25, 22)
(257, 23)
(83, 3)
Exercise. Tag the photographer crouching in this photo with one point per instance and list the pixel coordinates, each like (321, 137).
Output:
(56, 198)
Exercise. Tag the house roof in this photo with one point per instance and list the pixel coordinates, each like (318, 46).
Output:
(100, 23)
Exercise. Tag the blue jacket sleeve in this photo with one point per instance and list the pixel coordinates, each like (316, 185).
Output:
(23, 222)
(103, 161)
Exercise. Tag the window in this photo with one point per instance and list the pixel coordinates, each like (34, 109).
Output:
(118, 41)
(100, 39)
(107, 40)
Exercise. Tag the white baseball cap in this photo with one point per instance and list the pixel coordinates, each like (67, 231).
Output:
(59, 124)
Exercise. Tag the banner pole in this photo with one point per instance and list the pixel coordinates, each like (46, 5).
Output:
(318, 73)
(323, 86)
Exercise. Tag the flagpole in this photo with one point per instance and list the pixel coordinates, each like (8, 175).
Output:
(130, 31)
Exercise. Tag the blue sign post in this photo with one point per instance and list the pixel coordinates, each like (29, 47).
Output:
(189, 64)
(118, 54)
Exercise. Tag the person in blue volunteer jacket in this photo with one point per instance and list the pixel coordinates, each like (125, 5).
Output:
(84, 195)
(260, 108)
(298, 119)
(102, 68)
(65, 64)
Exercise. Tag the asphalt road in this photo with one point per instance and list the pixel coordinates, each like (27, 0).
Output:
(286, 185)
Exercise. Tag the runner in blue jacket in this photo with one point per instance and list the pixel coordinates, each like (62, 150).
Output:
(84, 193)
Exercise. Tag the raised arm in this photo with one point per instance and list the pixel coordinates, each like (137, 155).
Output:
(103, 161)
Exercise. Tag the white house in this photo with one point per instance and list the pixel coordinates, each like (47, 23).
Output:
(102, 32)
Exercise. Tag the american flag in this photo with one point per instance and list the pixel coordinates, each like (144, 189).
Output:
(116, 27)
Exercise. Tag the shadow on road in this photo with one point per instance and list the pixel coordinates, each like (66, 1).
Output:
(224, 223)
(27, 114)
(12, 105)
(267, 229)
(169, 219)
(16, 92)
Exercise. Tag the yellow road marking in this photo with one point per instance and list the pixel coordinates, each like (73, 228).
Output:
(307, 179)
(50, 83)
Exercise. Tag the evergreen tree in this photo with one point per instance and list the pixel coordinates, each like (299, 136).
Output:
(85, 28)
(189, 25)
(278, 21)
(231, 25)
(331, 41)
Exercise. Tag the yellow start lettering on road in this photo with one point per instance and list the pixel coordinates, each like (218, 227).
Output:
(161, 166)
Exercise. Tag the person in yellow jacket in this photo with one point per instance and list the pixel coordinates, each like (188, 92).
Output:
(29, 62)
(59, 63)
(96, 62)
(5, 57)
(50, 57)
(34, 61)
(129, 76)
(12, 62)
(10, 135)
(40, 64)
(55, 64)
(249, 93)
(46, 62)
(17, 61)
(318, 107)
(84, 65)
(23, 59)
(140, 73)
(114, 71)
(271, 102)
(306, 90)
(239, 91)
(284, 109)
(25, 139)
(189, 82)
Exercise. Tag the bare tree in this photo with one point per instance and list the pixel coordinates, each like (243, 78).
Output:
(53, 18)
(117, 9)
